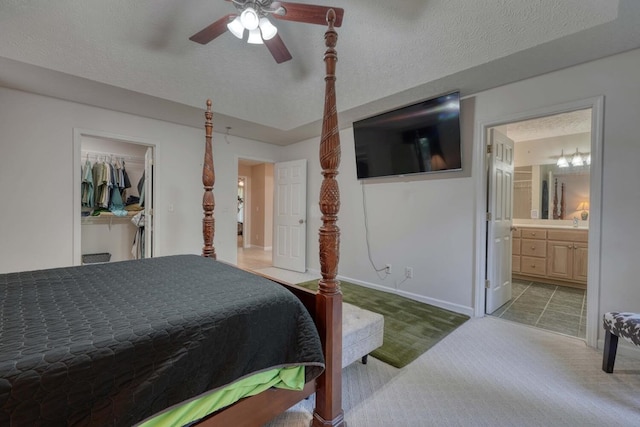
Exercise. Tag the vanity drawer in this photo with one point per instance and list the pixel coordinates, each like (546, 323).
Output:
(533, 247)
(569, 235)
(534, 266)
(534, 233)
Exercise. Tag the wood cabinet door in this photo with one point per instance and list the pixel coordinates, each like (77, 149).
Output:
(560, 259)
(515, 246)
(515, 263)
(580, 261)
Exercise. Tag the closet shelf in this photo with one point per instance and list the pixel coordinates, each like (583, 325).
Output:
(108, 218)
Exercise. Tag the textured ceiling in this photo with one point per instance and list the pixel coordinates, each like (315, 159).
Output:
(563, 124)
(135, 56)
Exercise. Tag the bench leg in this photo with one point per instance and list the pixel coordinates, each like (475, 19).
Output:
(364, 359)
(609, 355)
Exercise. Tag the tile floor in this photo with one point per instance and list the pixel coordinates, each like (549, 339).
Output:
(259, 260)
(253, 258)
(556, 308)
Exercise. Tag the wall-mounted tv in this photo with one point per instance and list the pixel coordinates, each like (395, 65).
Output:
(419, 138)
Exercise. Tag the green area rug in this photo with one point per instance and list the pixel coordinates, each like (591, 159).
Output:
(410, 327)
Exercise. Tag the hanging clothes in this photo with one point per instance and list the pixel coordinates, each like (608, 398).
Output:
(116, 206)
(138, 249)
(101, 179)
(125, 176)
(141, 189)
(87, 185)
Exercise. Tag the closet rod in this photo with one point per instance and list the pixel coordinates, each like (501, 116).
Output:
(108, 155)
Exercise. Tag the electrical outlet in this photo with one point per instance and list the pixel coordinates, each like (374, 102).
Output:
(387, 268)
(408, 272)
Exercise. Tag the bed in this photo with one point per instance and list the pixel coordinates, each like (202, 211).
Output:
(124, 343)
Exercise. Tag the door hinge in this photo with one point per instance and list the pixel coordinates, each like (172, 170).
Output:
(487, 284)
(488, 216)
(489, 148)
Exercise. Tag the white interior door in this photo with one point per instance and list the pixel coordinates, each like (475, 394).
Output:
(148, 203)
(290, 215)
(500, 208)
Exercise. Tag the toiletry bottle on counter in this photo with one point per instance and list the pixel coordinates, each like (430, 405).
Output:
(575, 221)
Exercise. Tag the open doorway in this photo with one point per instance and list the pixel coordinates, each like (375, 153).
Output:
(255, 214)
(242, 185)
(114, 197)
(538, 268)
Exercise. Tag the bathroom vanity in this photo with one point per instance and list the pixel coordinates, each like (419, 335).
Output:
(556, 254)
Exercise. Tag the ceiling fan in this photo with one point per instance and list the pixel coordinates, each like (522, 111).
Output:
(253, 15)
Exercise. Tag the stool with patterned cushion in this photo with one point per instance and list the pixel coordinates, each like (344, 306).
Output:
(625, 325)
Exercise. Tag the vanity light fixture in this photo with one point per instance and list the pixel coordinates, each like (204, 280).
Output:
(576, 160)
(562, 161)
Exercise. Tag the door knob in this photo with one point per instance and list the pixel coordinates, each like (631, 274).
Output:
(301, 221)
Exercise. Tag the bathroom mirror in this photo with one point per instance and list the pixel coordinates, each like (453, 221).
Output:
(551, 166)
(550, 192)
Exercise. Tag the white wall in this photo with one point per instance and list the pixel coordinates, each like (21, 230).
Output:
(36, 179)
(429, 224)
(616, 78)
(423, 223)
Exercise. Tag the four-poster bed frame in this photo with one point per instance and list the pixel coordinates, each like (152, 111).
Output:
(142, 341)
(325, 306)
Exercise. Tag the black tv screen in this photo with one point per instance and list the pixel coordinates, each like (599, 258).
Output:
(419, 138)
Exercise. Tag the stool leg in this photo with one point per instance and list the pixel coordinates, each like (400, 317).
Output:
(610, 348)
(364, 359)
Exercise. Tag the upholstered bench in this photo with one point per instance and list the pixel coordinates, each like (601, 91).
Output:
(625, 325)
(362, 332)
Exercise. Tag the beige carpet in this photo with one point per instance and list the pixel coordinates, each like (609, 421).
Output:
(490, 372)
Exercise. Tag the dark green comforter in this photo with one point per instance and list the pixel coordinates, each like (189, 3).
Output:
(111, 344)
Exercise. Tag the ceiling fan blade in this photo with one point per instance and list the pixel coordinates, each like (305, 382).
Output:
(309, 13)
(278, 50)
(212, 31)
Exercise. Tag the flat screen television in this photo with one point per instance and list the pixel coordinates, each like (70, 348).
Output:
(419, 138)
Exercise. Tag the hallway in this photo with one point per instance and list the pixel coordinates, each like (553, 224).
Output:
(253, 258)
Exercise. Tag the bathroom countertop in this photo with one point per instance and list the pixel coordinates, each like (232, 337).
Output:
(562, 227)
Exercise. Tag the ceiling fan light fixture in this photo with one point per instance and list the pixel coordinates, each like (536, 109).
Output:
(255, 37)
(268, 29)
(236, 28)
(249, 18)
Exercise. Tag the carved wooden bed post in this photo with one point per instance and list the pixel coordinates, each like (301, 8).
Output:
(208, 179)
(328, 411)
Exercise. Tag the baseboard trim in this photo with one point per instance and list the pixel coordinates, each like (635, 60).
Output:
(457, 308)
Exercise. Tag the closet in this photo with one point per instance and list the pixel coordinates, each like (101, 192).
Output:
(115, 199)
